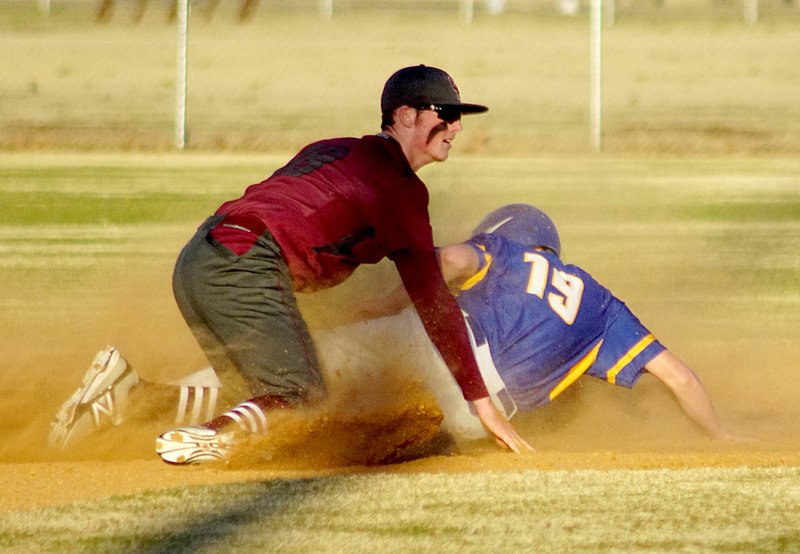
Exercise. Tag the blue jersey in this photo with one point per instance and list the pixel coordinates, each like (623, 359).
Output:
(547, 323)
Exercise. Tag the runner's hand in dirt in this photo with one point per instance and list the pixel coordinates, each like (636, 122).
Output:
(503, 432)
(729, 437)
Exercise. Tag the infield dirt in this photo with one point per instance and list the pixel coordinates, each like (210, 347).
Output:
(592, 426)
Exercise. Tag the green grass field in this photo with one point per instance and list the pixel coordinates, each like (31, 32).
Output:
(653, 511)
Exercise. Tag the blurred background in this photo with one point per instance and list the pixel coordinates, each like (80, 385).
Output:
(678, 76)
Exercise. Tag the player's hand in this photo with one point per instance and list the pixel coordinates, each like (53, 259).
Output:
(729, 437)
(496, 423)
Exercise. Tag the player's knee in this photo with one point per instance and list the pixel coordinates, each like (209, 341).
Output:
(672, 371)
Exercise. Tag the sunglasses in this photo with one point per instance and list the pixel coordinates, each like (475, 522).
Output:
(448, 114)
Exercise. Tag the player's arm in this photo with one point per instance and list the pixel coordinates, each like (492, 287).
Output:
(689, 391)
(459, 262)
(445, 325)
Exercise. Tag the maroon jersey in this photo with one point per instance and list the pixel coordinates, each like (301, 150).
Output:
(344, 202)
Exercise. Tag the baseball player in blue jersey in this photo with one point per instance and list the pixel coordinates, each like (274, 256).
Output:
(546, 323)
(538, 325)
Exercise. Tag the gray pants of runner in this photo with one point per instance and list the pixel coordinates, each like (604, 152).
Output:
(243, 313)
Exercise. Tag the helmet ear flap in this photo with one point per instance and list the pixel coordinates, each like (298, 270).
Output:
(522, 223)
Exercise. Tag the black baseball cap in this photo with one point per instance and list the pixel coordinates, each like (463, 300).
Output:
(422, 84)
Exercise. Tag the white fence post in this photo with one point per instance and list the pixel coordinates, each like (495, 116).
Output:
(751, 12)
(326, 9)
(468, 8)
(180, 96)
(595, 56)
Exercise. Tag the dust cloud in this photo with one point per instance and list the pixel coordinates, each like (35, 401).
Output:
(54, 333)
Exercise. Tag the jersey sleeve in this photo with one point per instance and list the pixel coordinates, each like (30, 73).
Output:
(480, 249)
(441, 317)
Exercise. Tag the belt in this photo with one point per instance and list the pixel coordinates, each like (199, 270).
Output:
(246, 223)
(489, 373)
(477, 333)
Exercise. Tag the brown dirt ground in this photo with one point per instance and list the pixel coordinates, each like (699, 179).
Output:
(26, 486)
(400, 437)
(591, 426)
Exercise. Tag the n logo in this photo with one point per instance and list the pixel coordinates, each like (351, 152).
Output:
(103, 406)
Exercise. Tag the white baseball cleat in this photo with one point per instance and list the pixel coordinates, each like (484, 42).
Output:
(194, 444)
(98, 402)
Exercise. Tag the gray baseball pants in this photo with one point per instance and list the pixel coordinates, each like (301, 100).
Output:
(243, 312)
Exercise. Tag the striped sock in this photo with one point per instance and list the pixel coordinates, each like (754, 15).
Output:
(250, 416)
(196, 404)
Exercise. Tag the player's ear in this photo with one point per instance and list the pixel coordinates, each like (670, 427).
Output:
(405, 115)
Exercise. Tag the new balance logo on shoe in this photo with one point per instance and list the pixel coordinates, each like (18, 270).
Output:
(103, 406)
(98, 402)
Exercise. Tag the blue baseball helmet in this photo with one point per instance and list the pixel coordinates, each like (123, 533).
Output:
(522, 223)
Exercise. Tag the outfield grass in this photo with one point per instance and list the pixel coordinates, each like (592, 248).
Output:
(653, 511)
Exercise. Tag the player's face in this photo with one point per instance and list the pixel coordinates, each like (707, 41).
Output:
(433, 137)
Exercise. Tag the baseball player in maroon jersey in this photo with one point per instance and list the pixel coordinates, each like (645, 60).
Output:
(337, 204)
